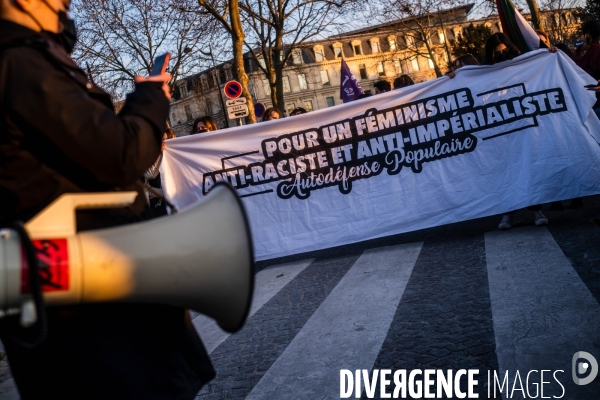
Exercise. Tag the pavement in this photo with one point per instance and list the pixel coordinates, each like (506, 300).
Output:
(460, 296)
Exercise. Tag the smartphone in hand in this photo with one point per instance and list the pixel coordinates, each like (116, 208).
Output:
(160, 64)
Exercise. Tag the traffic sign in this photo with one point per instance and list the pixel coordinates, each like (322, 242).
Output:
(259, 109)
(236, 102)
(233, 89)
(237, 113)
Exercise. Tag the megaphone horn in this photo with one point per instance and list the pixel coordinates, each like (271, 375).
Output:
(200, 258)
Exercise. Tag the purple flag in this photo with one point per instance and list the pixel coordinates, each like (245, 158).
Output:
(349, 88)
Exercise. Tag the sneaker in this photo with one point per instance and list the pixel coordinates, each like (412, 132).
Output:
(539, 218)
(506, 222)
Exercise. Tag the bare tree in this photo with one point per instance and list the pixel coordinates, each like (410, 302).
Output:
(227, 14)
(119, 39)
(423, 27)
(560, 19)
(277, 28)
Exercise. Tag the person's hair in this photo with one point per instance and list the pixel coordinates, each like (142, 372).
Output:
(591, 28)
(170, 134)
(298, 110)
(564, 48)
(465, 59)
(268, 112)
(493, 41)
(209, 123)
(383, 86)
(403, 81)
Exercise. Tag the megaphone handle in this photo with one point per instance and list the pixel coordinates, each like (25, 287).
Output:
(38, 313)
(150, 189)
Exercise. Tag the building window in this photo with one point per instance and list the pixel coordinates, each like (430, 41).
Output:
(330, 101)
(262, 63)
(308, 105)
(173, 118)
(392, 44)
(338, 52)
(183, 90)
(380, 68)
(415, 64)
(397, 66)
(356, 47)
(266, 87)
(289, 107)
(208, 107)
(410, 66)
(286, 84)
(375, 46)
(297, 56)
(302, 81)
(188, 113)
(362, 69)
(409, 40)
(441, 37)
(319, 55)
(430, 63)
(324, 77)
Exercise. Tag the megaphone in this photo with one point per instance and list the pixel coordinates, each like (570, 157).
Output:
(200, 258)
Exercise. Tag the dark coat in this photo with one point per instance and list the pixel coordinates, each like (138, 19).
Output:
(60, 134)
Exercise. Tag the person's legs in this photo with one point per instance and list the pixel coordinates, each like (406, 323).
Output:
(506, 222)
(538, 217)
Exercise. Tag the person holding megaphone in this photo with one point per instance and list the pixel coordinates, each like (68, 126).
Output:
(59, 134)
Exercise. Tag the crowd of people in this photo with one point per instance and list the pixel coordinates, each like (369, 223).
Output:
(499, 48)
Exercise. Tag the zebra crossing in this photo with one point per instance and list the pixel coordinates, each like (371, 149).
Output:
(454, 298)
(502, 301)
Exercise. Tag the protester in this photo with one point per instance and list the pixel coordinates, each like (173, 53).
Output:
(382, 87)
(158, 206)
(461, 61)
(403, 81)
(271, 113)
(587, 56)
(204, 124)
(298, 111)
(499, 48)
(60, 134)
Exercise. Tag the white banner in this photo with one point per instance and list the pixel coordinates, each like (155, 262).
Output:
(493, 139)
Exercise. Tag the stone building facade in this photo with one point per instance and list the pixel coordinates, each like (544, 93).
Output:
(312, 74)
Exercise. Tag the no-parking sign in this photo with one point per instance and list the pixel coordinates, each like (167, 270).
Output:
(259, 110)
(233, 89)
